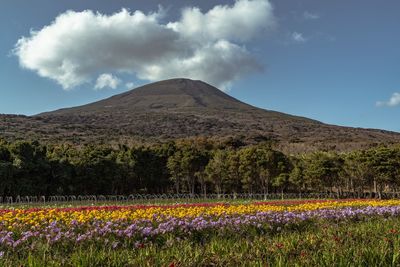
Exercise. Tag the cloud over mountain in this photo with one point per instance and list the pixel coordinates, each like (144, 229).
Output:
(310, 16)
(298, 37)
(78, 47)
(392, 102)
(107, 80)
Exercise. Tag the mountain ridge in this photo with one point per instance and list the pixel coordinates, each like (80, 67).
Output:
(184, 108)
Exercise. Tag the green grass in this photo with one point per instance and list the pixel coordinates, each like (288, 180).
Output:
(368, 243)
(137, 202)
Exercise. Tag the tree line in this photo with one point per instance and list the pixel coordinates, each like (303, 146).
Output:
(194, 166)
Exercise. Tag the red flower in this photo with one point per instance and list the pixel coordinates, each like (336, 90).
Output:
(337, 239)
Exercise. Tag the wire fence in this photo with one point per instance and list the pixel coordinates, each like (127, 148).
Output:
(143, 198)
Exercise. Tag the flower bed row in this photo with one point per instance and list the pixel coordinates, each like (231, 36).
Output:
(11, 219)
(134, 226)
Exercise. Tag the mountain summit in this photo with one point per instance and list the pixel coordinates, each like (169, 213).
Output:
(164, 95)
(181, 108)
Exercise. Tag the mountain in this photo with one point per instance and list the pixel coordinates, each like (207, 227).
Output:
(163, 95)
(181, 108)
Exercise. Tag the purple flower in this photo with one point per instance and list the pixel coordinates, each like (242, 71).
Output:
(115, 245)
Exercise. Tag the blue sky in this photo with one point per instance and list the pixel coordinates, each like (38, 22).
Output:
(334, 61)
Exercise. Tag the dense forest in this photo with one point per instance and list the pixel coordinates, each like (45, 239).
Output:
(190, 166)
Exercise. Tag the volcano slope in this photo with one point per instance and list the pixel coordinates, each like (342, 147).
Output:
(183, 108)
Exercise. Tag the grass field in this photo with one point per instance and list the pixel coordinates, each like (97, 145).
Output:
(274, 233)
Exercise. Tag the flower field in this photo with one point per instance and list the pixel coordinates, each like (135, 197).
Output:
(135, 228)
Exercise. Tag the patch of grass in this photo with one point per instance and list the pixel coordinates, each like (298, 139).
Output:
(142, 202)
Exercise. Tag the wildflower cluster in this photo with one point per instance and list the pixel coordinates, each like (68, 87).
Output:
(133, 226)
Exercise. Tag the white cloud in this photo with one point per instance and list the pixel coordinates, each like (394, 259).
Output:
(129, 85)
(107, 80)
(392, 102)
(219, 61)
(78, 46)
(310, 16)
(298, 37)
(240, 22)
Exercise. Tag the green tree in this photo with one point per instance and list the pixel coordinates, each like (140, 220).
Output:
(185, 165)
(234, 183)
(296, 176)
(6, 170)
(248, 169)
(323, 170)
(217, 170)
